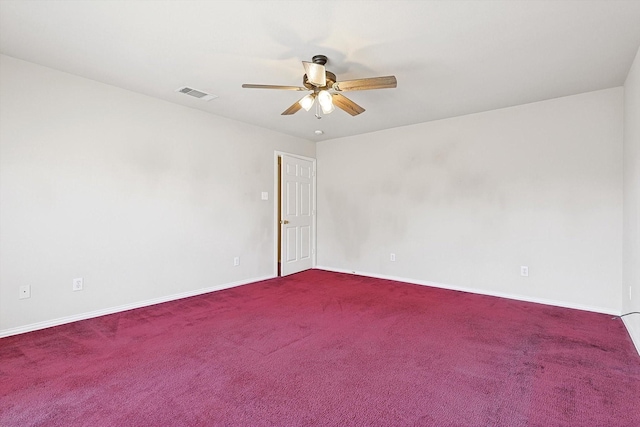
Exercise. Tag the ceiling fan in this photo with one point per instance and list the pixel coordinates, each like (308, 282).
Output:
(325, 87)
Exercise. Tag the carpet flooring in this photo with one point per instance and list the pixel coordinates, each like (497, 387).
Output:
(326, 349)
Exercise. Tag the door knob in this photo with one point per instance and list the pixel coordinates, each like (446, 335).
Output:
(284, 222)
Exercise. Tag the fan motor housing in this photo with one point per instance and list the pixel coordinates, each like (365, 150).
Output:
(331, 79)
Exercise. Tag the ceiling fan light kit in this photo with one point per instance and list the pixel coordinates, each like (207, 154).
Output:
(325, 87)
(326, 101)
(307, 101)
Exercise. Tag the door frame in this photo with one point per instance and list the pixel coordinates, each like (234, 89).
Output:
(276, 207)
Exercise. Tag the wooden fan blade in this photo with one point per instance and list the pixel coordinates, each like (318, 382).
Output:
(292, 110)
(347, 105)
(252, 86)
(316, 73)
(366, 84)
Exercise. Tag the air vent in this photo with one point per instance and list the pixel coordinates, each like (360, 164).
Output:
(196, 93)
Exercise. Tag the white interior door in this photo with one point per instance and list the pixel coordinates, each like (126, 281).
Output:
(297, 238)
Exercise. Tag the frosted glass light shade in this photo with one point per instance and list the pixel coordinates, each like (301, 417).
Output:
(307, 102)
(316, 73)
(326, 101)
(327, 110)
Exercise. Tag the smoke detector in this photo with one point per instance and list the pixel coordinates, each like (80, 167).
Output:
(196, 93)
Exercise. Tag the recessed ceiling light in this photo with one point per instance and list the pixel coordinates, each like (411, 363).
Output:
(318, 132)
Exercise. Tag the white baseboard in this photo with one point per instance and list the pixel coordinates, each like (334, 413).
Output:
(146, 303)
(125, 307)
(544, 301)
(635, 335)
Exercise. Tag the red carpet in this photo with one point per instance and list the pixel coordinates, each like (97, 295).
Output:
(320, 348)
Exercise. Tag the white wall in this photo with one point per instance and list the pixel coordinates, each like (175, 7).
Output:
(631, 256)
(146, 199)
(142, 198)
(464, 202)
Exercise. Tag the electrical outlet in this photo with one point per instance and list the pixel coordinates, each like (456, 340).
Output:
(265, 195)
(77, 284)
(236, 261)
(524, 271)
(25, 292)
(392, 257)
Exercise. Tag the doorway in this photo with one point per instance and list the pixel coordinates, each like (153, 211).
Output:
(295, 213)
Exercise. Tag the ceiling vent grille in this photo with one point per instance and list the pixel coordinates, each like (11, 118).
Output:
(196, 93)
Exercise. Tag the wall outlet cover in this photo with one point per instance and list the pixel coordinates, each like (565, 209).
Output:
(78, 283)
(25, 292)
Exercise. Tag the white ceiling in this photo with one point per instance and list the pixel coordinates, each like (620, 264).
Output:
(450, 57)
